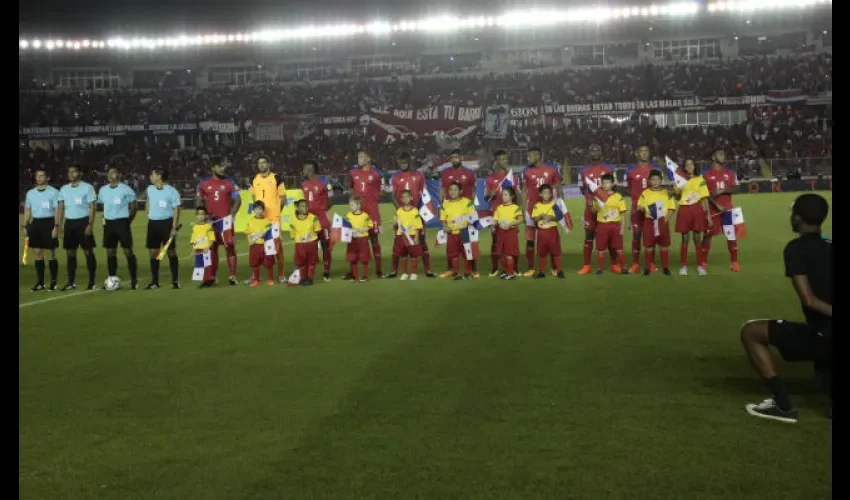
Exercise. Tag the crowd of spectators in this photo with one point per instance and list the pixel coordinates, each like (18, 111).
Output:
(162, 105)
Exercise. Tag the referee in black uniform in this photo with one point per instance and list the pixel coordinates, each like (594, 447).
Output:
(808, 262)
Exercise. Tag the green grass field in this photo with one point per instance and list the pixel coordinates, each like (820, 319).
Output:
(604, 388)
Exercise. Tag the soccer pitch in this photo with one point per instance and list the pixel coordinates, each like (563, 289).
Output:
(592, 387)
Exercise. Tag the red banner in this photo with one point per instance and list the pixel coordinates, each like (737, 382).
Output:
(453, 121)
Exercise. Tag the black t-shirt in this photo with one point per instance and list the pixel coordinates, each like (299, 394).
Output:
(810, 255)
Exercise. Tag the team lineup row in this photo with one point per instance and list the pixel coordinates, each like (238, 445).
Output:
(532, 199)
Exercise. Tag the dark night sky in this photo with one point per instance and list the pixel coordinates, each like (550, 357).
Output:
(93, 17)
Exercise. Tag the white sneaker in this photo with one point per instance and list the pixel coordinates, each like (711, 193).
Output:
(413, 277)
(404, 277)
(701, 271)
(683, 271)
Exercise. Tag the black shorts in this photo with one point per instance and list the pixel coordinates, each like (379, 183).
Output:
(75, 237)
(40, 233)
(801, 342)
(117, 231)
(158, 233)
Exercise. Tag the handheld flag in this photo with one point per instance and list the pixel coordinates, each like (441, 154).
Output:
(203, 261)
(733, 225)
(164, 250)
(224, 226)
(409, 240)
(469, 236)
(426, 206)
(600, 196)
(340, 229)
(268, 241)
(479, 223)
(676, 174)
(509, 181)
(562, 215)
(26, 250)
(656, 212)
(442, 238)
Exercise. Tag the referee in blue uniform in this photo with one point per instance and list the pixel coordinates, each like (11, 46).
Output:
(119, 210)
(163, 204)
(77, 201)
(41, 226)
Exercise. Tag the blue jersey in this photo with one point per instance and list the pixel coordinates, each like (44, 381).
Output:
(161, 202)
(116, 201)
(77, 200)
(42, 202)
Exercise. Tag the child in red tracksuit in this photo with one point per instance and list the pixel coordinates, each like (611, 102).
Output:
(407, 244)
(256, 230)
(358, 248)
(305, 229)
(548, 238)
(508, 217)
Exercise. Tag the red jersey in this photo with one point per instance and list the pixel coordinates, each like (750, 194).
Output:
(316, 193)
(637, 180)
(408, 180)
(717, 179)
(366, 183)
(494, 183)
(464, 176)
(593, 174)
(217, 194)
(534, 176)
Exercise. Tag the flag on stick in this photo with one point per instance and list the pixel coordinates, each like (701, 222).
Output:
(656, 212)
(203, 260)
(224, 226)
(733, 225)
(562, 215)
(676, 174)
(164, 250)
(26, 250)
(340, 229)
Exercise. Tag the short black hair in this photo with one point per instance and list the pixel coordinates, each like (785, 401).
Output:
(298, 202)
(811, 208)
(264, 157)
(407, 191)
(76, 166)
(655, 173)
(499, 153)
(161, 171)
(456, 183)
(113, 167)
(544, 187)
(201, 208)
(215, 160)
(404, 156)
(259, 203)
(607, 177)
(314, 164)
(535, 148)
(456, 152)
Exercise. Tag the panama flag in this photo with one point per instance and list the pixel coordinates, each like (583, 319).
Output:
(480, 222)
(676, 174)
(656, 212)
(224, 226)
(733, 225)
(509, 181)
(340, 229)
(426, 206)
(203, 260)
(562, 215)
(442, 238)
(469, 236)
(268, 241)
(600, 196)
(408, 235)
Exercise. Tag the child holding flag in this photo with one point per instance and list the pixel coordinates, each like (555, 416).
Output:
(258, 227)
(358, 247)
(407, 237)
(305, 229)
(508, 217)
(610, 209)
(548, 238)
(693, 213)
(202, 239)
(455, 214)
(656, 204)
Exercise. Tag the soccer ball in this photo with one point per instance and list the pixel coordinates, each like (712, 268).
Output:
(112, 283)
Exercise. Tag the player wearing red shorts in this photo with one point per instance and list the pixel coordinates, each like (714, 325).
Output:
(590, 177)
(493, 188)
(656, 205)
(535, 175)
(693, 216)
(610, 225)
(220, 196)
(637, 180)
(721, 183)
(315, 191)
(411, 180)
(364, 180)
